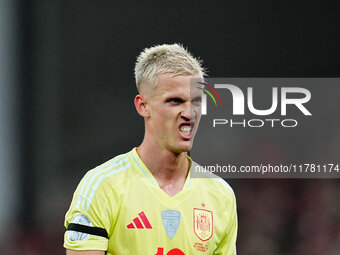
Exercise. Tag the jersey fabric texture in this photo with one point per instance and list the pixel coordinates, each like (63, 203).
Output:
(122, 197)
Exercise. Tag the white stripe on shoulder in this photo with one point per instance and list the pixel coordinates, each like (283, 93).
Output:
(93, 191)
(100, 172)
(91, 175)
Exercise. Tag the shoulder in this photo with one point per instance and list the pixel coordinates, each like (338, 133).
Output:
(112, 169)
(106, 178)
(213, 182)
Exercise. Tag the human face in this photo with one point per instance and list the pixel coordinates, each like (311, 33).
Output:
(174, 112)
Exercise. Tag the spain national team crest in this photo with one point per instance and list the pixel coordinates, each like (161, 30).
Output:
(171, 219)
(203, 224)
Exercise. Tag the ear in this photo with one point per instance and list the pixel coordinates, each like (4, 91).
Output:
(141, 106)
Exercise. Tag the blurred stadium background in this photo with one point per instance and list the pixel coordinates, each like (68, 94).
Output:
(66, 105)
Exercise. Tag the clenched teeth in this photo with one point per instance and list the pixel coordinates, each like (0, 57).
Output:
(185, 129)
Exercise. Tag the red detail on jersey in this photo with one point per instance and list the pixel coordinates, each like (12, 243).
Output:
(130, 226)
(203, 224)
(160, 251)
(145, 220)
(175, 252)
(138, 223)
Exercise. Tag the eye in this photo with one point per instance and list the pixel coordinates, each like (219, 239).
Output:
(196, 100)
(175, 100)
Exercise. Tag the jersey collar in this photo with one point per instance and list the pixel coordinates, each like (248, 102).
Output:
(142, 167)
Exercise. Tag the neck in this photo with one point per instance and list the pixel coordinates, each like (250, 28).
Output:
(170, 169)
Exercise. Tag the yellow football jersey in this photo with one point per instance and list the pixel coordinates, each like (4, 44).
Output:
(119, 207)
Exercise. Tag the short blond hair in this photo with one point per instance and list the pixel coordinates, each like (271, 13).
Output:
(165, 58)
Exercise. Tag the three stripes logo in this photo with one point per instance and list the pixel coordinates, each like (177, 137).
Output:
(140, 222)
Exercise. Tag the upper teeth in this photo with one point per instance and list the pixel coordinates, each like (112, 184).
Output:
(185, 128)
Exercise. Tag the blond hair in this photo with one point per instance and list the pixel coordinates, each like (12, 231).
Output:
(166, 58)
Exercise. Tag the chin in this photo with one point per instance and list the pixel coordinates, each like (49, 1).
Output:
(179, 145)
(185, 147)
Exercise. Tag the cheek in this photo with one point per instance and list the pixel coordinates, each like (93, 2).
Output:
(159, 118)
(195, 109)
(165, 119)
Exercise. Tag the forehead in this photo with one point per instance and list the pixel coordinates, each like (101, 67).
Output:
(167, 83)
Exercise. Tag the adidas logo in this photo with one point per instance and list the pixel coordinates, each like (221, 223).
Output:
(138, 224)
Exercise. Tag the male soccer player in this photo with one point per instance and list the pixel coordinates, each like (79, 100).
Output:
(146, 202)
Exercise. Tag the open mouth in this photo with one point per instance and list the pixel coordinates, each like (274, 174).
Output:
(186, 128)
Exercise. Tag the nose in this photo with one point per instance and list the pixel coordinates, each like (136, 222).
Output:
(188, 112)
